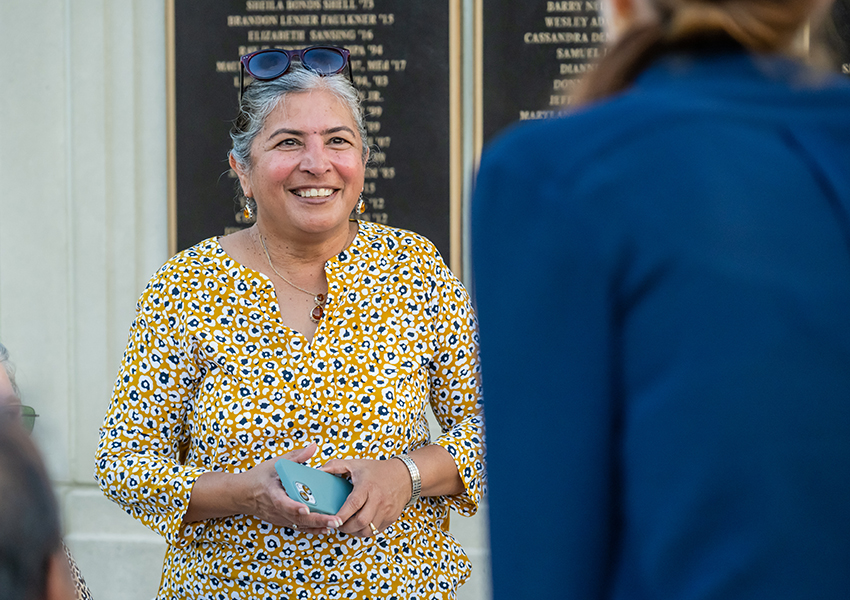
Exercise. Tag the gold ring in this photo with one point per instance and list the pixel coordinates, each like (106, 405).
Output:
(373, 528)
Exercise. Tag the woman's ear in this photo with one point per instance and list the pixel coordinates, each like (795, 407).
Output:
(244, 181)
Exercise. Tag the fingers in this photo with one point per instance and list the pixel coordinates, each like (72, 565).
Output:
(360, 516)
(337, 467)
(362, 525)
(301, 455)
(271, 502)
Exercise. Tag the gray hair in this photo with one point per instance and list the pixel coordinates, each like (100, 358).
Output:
(261, 97)
(7, 366)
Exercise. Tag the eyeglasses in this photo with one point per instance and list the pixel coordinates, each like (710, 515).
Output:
(271, 63)
(19, 412)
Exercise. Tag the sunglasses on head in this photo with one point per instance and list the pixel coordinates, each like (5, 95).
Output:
(271, 63)
(24, 414)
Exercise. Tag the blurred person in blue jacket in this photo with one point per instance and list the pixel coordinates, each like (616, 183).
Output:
(665, 324)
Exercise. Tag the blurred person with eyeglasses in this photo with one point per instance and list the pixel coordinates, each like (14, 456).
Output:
(313, 336)
(14, 414)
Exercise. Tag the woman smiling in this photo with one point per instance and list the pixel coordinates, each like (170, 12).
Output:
(311, 336)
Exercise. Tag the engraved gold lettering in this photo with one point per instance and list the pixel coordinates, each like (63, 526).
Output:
(565, 22)
(564, 84)
(303, 5)
(376, 49)
(577, 53)
(371, 173)
(378, 158)
(251, 20)
(575, 69)
(378, 65)
(349, 20)
(265, 5)
(559, 37)
(299, 20)
(388, 172)
(227, 66)
(383, 141)
(332, 35)
(339, 5)
(528, 115)
(573, 6)
(276, 35)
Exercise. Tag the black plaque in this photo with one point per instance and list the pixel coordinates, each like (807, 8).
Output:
(534, 53)
(838, 35)
(401, 63)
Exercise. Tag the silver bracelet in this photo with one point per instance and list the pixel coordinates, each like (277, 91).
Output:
(415, 478)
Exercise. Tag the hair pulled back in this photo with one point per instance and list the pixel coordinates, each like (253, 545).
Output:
(756, 25)
(7, 366)
(261, 97)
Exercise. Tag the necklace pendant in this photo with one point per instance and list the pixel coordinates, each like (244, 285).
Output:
(316, 314)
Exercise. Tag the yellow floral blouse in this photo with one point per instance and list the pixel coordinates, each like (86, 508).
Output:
(213, 380)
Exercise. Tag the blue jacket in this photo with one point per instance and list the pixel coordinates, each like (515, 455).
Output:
(663, 287)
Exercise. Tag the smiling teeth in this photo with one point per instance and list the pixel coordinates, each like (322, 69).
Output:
(315, 193)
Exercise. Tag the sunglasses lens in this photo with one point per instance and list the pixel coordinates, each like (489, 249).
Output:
(324, 61)
(28, 417)
(268, 65)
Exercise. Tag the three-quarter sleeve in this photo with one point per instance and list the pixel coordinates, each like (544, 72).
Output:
(456, 389)
(145, 429)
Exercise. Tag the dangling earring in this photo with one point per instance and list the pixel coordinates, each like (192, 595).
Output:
(361, 205)
(247, 210)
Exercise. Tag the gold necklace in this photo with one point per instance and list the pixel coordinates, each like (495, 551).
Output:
(319, 310)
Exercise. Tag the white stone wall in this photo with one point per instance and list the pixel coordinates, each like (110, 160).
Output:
(83, 225)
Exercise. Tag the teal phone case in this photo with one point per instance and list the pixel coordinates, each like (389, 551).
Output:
(321, 492)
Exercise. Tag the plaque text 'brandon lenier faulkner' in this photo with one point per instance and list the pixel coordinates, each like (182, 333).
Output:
(534, 54)
(400, 65)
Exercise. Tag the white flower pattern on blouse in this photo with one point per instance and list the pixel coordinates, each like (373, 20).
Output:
(213, 380)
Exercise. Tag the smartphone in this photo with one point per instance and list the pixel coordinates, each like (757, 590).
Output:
(322, 492)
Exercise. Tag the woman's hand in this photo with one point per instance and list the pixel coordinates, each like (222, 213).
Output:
(257, 492)
(381, 489)
(269, 502)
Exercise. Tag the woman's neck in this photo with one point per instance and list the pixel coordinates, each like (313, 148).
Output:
(299, 252)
